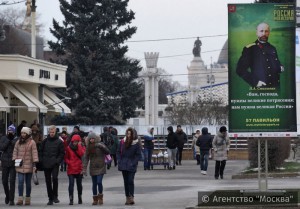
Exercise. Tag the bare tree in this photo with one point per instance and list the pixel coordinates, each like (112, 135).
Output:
(15, 17)
(199, 113)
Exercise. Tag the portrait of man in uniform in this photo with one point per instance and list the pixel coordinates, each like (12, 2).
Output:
(259, 64)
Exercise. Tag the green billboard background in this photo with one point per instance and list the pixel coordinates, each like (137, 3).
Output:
(253, 109)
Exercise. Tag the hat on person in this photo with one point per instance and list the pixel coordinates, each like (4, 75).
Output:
(170, 128)
(223, 129)
(26, 130)
(77, 127)
(11, 128)
(75, 137)
(178, 126)
(92, 135)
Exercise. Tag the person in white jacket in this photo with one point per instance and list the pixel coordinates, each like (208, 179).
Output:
(221, 144)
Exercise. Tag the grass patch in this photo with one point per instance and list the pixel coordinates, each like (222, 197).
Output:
(287, 167)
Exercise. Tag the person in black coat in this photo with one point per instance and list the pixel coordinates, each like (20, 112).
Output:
(204, 142)
(7, 144)
(259, 64)
(52, 154)
(172, 142)
(182, 139)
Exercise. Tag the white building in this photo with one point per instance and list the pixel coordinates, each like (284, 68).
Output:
(26, 84)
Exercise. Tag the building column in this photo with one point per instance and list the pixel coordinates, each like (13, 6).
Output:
(147, 95)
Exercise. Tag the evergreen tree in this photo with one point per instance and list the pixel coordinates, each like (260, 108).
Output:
(101, 81)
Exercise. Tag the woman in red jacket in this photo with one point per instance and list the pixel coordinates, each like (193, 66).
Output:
(73, 159)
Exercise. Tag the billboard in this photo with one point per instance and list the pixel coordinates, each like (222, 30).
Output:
(261, 65)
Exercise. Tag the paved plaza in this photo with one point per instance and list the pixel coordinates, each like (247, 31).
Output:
(155, 189)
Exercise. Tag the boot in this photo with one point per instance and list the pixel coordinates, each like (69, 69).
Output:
(20, 201)
(127, 201)
(27, 200)
(100, 199)
(131, 200)
(79, 199)
(95, 200)
(71, 200)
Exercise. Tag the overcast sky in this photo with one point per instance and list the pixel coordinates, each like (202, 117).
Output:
(167, 19)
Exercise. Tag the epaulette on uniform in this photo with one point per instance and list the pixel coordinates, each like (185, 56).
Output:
(249, 45)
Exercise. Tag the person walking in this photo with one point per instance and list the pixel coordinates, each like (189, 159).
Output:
(196, 149)
(25, 149)
(73, 159)
(171, 145)
(128, 156)
(7, 144)
(114, 148)
(95, 155)
(182, 139)
(64, 137)
(52, 154)
(38, 139)
(148, 148)
(221, 144)
(108, 140)
(204, 142)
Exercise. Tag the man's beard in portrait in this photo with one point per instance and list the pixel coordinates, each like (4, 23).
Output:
(263, 39)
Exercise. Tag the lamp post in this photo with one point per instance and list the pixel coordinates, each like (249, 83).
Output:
(33, 29)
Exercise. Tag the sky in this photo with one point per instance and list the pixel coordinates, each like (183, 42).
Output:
(180, 20)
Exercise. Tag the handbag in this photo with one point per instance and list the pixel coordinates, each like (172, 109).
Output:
(18, 162)
(35, 178)
(108, 159)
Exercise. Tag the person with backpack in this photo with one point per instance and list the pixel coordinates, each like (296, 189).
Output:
(73, 159)
(7, 144)
(128, 157)
(204, 143)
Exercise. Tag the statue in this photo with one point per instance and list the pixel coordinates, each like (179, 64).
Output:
(28, 8)
(197, 48)
(27, 20)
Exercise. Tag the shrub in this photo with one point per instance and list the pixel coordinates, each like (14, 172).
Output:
(278, 151)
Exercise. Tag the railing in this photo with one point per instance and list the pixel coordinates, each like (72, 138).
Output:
(160, 142)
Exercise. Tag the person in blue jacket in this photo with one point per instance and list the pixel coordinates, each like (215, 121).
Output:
(128, 157)
(148, 148)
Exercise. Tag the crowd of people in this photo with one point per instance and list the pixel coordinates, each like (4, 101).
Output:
(24, 151)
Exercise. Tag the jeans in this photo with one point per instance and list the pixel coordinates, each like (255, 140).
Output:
(179, 154)
(204, 160)
(147, 157)
(219, 168)
(172, 156)
(72, 178)
(27, 178)
(97, 182)
(128, 183)
(9, 176)
(51, 177)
